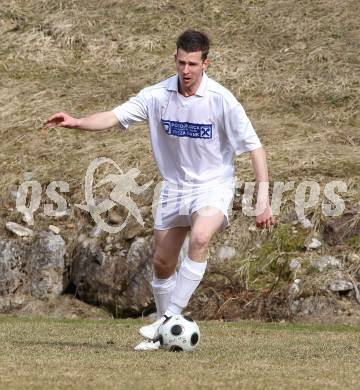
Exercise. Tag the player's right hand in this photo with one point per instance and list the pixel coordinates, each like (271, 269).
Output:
(61, 119)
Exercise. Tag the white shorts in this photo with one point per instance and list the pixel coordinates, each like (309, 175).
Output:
(175, 204)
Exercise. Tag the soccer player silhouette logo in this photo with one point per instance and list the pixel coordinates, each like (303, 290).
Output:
(124, 185)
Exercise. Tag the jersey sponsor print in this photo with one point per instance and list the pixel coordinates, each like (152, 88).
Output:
(187, 129)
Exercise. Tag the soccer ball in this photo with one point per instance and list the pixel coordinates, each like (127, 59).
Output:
(179, 333)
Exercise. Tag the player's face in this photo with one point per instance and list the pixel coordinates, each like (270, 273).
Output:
(190, 68)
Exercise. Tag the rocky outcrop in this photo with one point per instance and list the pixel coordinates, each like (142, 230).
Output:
(114, 277)
(101, 273)
(114, 272)
(14, 273)
(31, 269)
(342, 228)
(47, 266)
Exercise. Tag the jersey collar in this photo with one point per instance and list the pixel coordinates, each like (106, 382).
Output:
(201, 91)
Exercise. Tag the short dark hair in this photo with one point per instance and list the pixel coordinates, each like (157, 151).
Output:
(192, 40)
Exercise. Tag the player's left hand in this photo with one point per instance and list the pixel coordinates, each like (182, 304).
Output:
(266, 219)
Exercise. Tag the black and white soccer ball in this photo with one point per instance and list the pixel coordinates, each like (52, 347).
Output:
(179, 333)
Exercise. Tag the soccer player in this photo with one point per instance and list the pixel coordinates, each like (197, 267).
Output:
(196, 126)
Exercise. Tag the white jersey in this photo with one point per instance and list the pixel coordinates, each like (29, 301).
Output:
(193, 138)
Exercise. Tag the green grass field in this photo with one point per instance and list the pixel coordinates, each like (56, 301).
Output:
(39, 353)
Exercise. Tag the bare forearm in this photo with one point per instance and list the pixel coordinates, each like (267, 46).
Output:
(264, 216)
(258, 161)
(97, 122)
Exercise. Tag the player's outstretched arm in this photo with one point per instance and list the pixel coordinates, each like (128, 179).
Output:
(264, 217)
(96, 122)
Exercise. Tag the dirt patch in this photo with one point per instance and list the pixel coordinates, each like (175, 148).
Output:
(64, 306)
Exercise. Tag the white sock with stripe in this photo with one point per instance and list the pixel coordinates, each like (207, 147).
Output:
(187, 280)
(162, 290)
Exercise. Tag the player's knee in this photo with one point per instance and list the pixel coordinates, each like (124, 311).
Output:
(162, 267)
(199, 240)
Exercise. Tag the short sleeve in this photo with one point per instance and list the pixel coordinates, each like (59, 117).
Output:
(240, 131)
(132, 111)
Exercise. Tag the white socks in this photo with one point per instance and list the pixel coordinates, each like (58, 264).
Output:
(187, 280)
(162, 290)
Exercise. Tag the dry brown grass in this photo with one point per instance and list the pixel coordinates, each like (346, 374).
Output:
(293, 64)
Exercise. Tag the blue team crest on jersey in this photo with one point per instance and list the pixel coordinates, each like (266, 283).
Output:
(187, 129)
